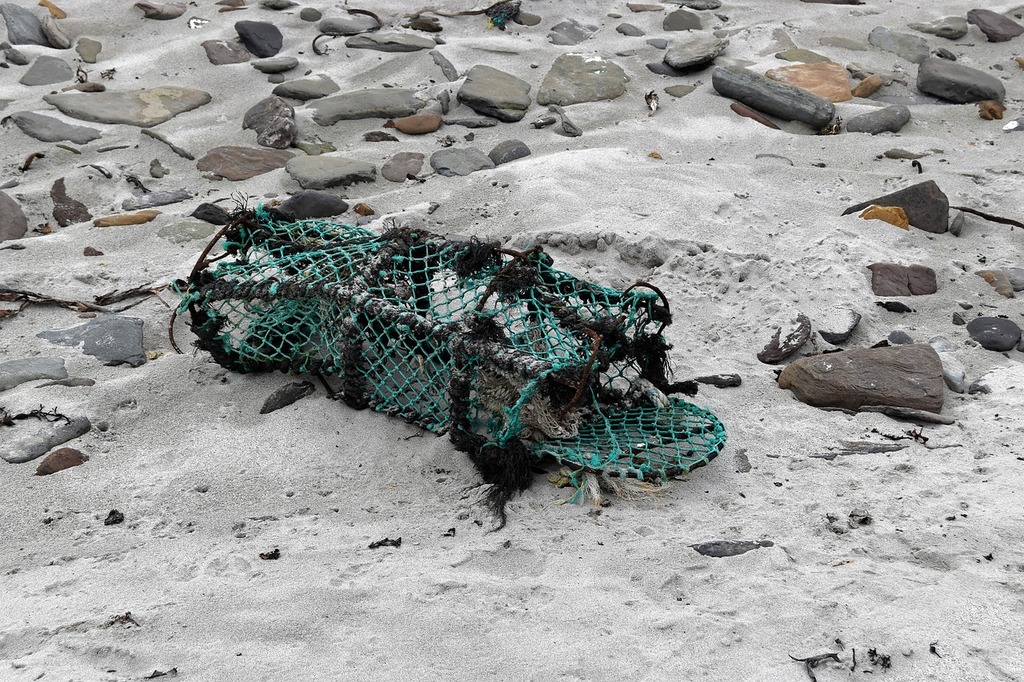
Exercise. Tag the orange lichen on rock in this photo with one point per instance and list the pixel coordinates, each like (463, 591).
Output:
(894, 215)
(55, 12)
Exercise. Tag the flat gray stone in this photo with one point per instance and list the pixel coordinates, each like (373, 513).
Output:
(221, 52)
(323, 171)
(698, 4)
(700, 50)
(162, 11)
(719, 549)
(891, 119)
(143, 108)
(310, 14)
(312, 203)
(950, 28)
(55, 34)
(908, 46)
(570, 32)
(33, 438)
(447, 68)
(241, 163)
(390, 42)
(957, 83)
(49, 129)
(307, 88)
(16, 372)
(261, 38)
(400, 166)
(273, 119)
(459, 161)
(88, 49)
(15, 56)
(275, 64)
(471, 121)
(348, 25)
(23, 27)
(843, 42)
(629, 30)
(286, 395)
(772, 97)
(1016, 277)
(495, 93)
(13, 223)
(508, 150)
(188, 231)
(47, 70)
(151, 199)
(994, 333)
(574, 78)
(681, 20)
(377, 103)
(113, 339)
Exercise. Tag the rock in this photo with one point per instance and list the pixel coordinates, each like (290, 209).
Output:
(721, 380)
(679, 90)
(382, 103)
(681, 20)
(957, 83)
(950, 28)
(994, 333)
(13, 223)
(796, 54)
(891, 119)
(998, 28)
(459, 161)
(574, 78)
(16, 372)
(225, 52)
(150, 199)
(322, 172)
(88, 49)
(161, 11)
(1016, 277)
(417, 124)
(658, 43)
(747, 112)
(67, 211)
(570, 32)
(61, 459)
(184, 232)
(143, 108)
(379, 136)
(568, 127)
(844, 321)
(55, 34)
(890, 279)
(508, 150)
(991, 110)
(471, 121)
(34, 438)
(998, 280)
(772, 97)
(699, 4)
(49, 129)
(868, 86)
(241, 163)
(348, 25)
(157, 169)
(447, 68)
(273, 4)
(825, 79)
(491, 92)
(113, 339)
(286, 395)
(629, 30)
(908, 46)
(843, 42)
(400, 166)
(275, 64)
(726, 548)
(273, 119)
(900, 376)
(311, 14)
(700, 50)
(898, 337)
(23, 27)
(259, 37)
(390, 42)
(211, 213)
(15, 56)
(894, 306)
(640, 7)
(307, 88)
(894, 215)
(47, 70)
(926, 206)
(313, 204)
(777, 351)
(953, 373)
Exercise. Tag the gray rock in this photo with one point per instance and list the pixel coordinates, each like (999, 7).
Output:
(151, 199)
(998, 28)
(55, 34)
(459, 161)
(681, 20)
(400, 166)
(926, 206)
(221, 52)
(273, 119)
(491, 92)
(447, 68)
(307, 88)
(842, 321)
(49, 129)
(381, 103)
(901, 376)
(259, 37)
(286, 395)
(242, 163)
(161, 11)
(13, 223)
(796, 54)
(568, 127)
(700, 50)
(471, 121)
(311, 203)
(508, 150)
(211, 213)
(890, 119)
(658, 43)
(957, 83)
(942, 345)
(953, 373)
(698, 4)
(898, 337)
(390, 42)
(278, 5)
(348, 25)
(143, 108)
(680, 90)
(88, 49)
(629, 30)
(185, 232)
(725, 548)
(275, 64)
(912, 48)
(574, 78)
(23, 27)
(570, 32)
(33, 438)
(1016, 277)
(322, 172)
(47, 70)
(950, 28)
(16, 56)
(772, 97)
(157, 169)
(994, 333)
(310, 14)
(113, 339)
(67, 211)
(843, 42)
(16, 372)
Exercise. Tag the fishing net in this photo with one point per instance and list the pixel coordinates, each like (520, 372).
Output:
(514, 359)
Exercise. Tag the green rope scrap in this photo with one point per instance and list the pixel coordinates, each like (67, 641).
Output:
(514, 359)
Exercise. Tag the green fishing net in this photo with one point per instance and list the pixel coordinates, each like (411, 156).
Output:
(514, 359)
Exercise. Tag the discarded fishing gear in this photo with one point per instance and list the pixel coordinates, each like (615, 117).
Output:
(514, 359)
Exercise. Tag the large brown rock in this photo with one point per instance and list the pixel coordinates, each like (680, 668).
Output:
(901, 376)
(892, 279)
(824, 79)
